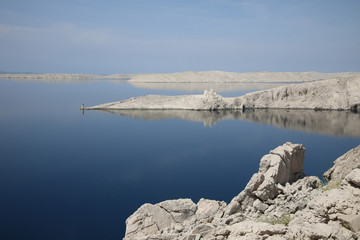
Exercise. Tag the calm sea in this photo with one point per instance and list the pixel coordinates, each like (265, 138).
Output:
(65, 174)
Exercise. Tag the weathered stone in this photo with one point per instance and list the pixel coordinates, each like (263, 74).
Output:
(282, 165)
(266, 190)
(207, 208)
(180, 209)
(148, 219)
(260, 206)
(354, 177)
(179, 228)
(202, 229)
(233, 207)
(291, 167)
(351, 222)
(343, 165)
(254, 183)
(223, 232)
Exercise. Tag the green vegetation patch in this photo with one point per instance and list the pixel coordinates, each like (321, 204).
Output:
(331, 185)
(284, 219)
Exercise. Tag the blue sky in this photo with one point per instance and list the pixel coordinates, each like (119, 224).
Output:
(138, 36)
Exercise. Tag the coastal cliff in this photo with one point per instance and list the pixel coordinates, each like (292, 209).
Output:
(333, 94)
(279, 202)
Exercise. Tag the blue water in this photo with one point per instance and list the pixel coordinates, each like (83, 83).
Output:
(64, 175)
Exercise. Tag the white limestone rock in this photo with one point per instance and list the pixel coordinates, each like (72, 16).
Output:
(209, 208)
(354, 177)
(281, 165)
(155, 219)
(180, 209)
(343, 165)
(351, 222)
(333, 94)
(327, 94)
(148, 220)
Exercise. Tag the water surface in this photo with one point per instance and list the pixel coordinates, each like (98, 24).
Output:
(65, 175)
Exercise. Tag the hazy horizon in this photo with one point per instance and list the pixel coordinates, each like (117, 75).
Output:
(175, 36)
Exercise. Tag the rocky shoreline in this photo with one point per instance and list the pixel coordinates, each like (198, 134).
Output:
(333, 94)
(279, 202)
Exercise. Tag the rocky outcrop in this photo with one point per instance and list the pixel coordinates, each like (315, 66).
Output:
(328, 94)
(343, 165)
(277, 203)
(335, 94)
(282, 165)
(208, 101)
(164, 217)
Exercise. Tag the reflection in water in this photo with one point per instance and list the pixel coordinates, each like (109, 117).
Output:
(338, 123)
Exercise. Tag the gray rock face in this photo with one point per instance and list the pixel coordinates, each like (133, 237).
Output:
(282, 165)
(353, 177)
(334, 94)
(298, 209)
(343, 165)
(166, 216)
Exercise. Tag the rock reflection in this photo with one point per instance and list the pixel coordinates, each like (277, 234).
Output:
(338, 123)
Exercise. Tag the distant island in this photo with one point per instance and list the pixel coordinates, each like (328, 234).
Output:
(193, 77)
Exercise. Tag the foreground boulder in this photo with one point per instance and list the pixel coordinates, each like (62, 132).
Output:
(167, 216)
(282, 165)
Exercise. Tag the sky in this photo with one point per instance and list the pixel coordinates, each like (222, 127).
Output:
(163, 36)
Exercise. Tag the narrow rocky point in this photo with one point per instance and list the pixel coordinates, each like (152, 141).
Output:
(279, 202)
(333, 94)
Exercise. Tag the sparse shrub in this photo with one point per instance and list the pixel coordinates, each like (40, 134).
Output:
(331, 185)
(284, 219)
